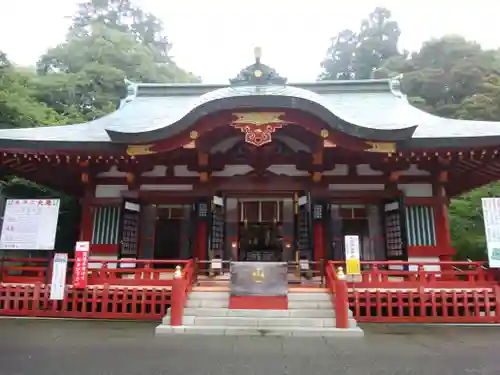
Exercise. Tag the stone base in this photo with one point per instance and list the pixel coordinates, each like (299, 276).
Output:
(167, 330)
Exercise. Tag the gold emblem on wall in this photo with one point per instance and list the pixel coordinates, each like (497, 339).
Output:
(135, 150)
(383, 147)
(258, 276)
(258, 126)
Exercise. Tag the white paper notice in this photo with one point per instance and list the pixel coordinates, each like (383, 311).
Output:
(491, 215)
(59, 267)
(29, 224)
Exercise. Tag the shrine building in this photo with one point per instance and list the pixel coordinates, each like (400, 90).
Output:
(261, 169)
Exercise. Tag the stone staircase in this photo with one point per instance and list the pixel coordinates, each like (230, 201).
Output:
(308, 314)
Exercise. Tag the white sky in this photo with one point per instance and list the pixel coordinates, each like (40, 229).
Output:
(215, 38)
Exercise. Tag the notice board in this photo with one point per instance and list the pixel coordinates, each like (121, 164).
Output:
(29, 224)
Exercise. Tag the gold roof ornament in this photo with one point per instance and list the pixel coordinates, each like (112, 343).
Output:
(136, 150)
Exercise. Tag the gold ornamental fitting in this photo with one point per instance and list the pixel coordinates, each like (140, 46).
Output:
(193, 134)
(258, 276)
(177, 272)
(340, 273)
(324, 133)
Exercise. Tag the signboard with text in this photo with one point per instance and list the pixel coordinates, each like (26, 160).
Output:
(81, 265)
(259, 279)
(58, 282)
(29, 224)
(352, 255)
(491, 216)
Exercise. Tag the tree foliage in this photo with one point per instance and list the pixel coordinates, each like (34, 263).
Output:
(448, 76)
(356, 55)
(82, 79)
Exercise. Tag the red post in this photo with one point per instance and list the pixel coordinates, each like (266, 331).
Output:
(319, 243)
(341, 304)
(496, 291)
(177, 301)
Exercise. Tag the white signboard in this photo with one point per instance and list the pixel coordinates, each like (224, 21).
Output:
(352, 254)
(491, 215)
(29, 224)
(59, 266)
(351, 247)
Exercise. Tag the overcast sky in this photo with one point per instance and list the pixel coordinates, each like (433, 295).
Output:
(215, 38)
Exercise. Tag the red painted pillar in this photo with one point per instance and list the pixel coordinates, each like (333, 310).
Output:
(86, 221)
(319, 242)
(201, 240)
(441, 219)
(442, 226)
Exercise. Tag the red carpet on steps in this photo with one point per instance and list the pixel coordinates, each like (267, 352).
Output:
(258, 302)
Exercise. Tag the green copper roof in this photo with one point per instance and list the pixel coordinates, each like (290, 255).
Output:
(372, 109)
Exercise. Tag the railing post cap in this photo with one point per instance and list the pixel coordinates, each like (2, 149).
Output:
(177, 272)
(340, 273)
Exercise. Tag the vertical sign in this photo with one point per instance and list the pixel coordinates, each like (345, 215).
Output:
(81, 265)
(353, 265)
(59, 267)
(491, 216)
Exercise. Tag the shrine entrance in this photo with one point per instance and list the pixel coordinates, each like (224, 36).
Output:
(260, 232)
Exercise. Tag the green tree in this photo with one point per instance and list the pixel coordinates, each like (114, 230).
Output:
(18, 104)
(83, 78)
(358, 55)
(122, 15)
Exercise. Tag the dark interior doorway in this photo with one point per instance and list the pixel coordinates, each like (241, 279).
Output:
(260, 242)
(167, 240)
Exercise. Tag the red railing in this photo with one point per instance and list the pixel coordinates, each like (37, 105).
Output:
(339, 295)
(459, 292)
(399, 274)
(426, 306)
(182, 285)
(100, 302)
(101, 272)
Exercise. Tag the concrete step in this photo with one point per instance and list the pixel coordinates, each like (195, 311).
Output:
(207, 295)
(317, 296)
(327, 305)
(305, 313)
(165, 330)
(217, 303)
(245, 321)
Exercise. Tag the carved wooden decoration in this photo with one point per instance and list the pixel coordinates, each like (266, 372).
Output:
(258, 126)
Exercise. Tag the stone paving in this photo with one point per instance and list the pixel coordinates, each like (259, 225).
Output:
(43, 347)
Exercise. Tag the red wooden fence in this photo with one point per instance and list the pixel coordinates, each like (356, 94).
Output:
(400, 274)
(437, 306)
(113, 272)
(106, 302)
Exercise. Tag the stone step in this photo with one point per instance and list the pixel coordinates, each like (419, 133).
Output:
(218, 303)
(166, 330)
(298, 313)
(327, 305)
(245, 321)
(319, 297)
(208, 295)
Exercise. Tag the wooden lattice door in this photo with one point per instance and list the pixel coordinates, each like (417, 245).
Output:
(129, 228)
(303, 228)
(394, 218)
(217, 228)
